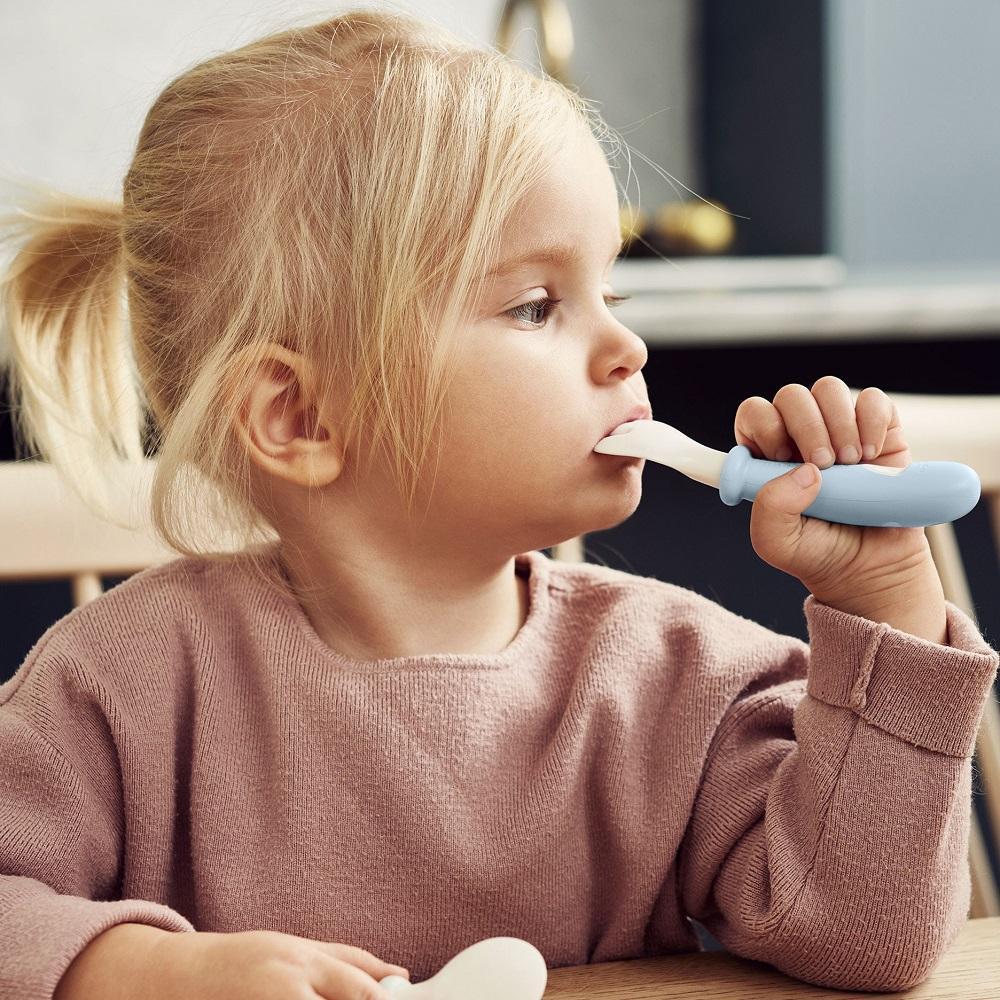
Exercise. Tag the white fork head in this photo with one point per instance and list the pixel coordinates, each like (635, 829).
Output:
(641, 438)
(666, 445)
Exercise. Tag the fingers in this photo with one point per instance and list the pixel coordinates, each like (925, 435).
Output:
(363, 959)
(822, 425)
(833, 397)
(804, 420)
(876, 415)
(759, 426)
(335, 979)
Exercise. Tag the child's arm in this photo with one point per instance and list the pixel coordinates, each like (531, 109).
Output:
(63, 933)
(61, 834)
(136, 962)
(110, 964)
(829, 835)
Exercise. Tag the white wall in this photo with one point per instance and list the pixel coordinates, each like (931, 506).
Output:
(914, 90)
(77, 78)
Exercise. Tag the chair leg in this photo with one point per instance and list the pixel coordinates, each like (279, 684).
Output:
(569, 551)
(994, 504)
(86, 586)
(988, 765)
(948, 560)
(984, 901)
(988, 746)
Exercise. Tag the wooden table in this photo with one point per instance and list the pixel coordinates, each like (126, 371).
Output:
(970, 971)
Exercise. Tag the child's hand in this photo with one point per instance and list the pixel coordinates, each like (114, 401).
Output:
(844, 565)
(262, 965)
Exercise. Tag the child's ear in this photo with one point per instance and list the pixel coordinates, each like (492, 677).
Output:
(280, 424)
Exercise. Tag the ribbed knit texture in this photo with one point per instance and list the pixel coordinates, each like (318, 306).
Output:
(186, 752)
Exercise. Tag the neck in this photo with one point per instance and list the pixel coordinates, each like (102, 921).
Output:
(369, 606)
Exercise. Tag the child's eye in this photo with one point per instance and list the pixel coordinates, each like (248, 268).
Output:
(545, 303)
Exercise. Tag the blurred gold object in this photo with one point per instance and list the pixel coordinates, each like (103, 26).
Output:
(695, 226)
(631, 221)
(556, 30)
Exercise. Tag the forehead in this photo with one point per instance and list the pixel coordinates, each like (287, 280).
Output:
(575, 203)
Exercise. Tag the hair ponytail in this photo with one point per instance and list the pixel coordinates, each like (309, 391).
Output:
(76, 399)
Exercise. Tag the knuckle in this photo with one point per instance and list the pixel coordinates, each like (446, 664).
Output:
(813, 430)
(345, 951)
(284, 944)
(763, 501)
(294, 959)
(357, 957)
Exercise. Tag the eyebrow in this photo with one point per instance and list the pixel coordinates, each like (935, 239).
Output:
(555, 253)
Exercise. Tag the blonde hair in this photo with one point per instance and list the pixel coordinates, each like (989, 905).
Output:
(337, 189)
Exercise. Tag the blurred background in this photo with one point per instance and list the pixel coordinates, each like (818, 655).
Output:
(812, 188)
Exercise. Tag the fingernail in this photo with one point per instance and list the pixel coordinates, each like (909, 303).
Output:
(822, 456)
(804, 474)
(848, 454)
(868, 451)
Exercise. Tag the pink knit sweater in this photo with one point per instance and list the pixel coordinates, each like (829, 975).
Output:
(186, 752)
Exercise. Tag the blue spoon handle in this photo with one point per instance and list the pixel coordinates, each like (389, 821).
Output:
(923, 493)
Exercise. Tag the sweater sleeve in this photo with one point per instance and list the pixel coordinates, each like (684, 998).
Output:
(61, 833)
(829, 834)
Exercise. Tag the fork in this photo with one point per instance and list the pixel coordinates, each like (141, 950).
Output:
(920, 494)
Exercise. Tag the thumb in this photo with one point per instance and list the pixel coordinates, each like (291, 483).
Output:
(775, 518)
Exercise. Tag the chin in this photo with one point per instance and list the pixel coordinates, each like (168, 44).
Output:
(622, 507)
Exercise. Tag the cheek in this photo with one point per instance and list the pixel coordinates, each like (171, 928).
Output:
(503, 458)
(532, 430)
(526, 410)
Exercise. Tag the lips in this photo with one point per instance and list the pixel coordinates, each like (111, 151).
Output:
(641, 411)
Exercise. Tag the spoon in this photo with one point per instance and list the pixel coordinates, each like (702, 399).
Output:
(923, 493)
(497, 968)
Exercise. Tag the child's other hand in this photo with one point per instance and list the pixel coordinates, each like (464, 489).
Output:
(844, 565)
(262, 965)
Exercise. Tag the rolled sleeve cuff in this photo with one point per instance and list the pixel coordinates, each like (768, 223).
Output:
(923, 692)
(59, 927)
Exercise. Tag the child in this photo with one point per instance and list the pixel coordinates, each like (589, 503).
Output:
(389, 726)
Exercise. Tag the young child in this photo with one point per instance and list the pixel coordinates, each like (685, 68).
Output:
(387, 725)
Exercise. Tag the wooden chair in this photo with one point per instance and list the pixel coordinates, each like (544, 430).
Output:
(965, 429)
(47, 533)
(959, 429)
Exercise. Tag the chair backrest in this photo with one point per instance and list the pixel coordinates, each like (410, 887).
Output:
(954, 428)
(46, 532)
(966, 429)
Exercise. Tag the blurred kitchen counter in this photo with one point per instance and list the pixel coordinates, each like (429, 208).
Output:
(735, 300)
